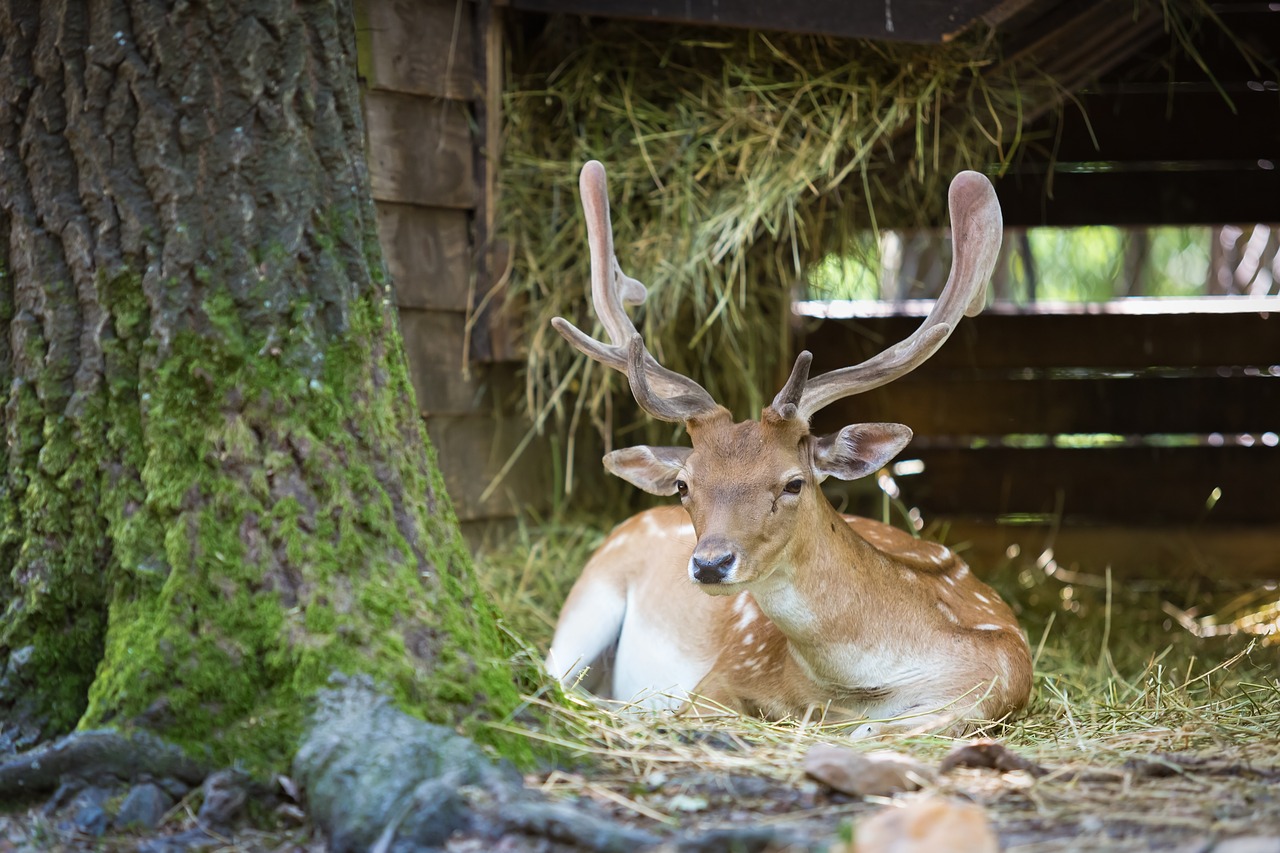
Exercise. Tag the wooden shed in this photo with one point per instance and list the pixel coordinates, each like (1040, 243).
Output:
(1183, 407)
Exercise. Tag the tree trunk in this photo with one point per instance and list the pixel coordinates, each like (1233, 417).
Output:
(216, 488)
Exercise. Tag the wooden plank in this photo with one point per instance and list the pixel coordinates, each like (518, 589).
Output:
(1167, 123)
(940, 403)
(434, 343)
(419, 47)
(922, 21)
(1143, 485)
(472, 450)
(428, 253)
(420, 150)
(1190, 193)
(1062, 341)
(1215, 553)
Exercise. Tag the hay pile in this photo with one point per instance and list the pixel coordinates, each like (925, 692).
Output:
(736, 160)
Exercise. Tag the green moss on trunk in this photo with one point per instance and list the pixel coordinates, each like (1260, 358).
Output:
(289, 510)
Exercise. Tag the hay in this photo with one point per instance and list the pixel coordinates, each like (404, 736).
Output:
(737, 161)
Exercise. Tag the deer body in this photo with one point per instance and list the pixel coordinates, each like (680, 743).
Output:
(756, 595)
(811, 636)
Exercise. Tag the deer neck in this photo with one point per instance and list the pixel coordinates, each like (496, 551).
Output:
(825, 587)
(827, 598)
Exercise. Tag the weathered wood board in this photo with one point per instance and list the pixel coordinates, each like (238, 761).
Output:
(420, 150)
(434, 343)
(428, 253)
(486, 442)
(419, 47)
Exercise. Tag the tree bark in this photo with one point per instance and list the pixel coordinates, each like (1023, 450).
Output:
(216, 490)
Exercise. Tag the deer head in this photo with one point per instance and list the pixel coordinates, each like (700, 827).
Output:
(751, 488)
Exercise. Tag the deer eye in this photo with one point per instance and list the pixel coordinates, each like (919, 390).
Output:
(794, 486)
(682, 488)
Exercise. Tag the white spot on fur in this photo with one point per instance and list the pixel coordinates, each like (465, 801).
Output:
(982, 598)
(748, 616)
(950, 580)
(685, 530)
(962, 570)
(746, 641)
(616, 542)
(946, 611)
(987, 626)
(907, 574)
(652, 527)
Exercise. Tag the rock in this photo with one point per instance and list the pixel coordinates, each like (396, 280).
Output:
(87, 814)
(878, 773)
(224, 794)
(145, 806)
(992, 754)
(373, 774)
(749, 839)
(929, 825)
(1249, 844)
(191, 841)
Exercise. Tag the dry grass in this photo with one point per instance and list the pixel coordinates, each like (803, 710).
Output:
(1152, 735)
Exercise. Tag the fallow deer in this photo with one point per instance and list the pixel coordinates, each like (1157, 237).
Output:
(755, 595)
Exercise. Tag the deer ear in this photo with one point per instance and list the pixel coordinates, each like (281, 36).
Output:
(858, 450)
(654, 469)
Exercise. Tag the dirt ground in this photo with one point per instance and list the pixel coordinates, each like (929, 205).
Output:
(1225, 800)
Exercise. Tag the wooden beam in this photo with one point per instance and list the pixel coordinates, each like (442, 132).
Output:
(1159, 194)
(435, 344)
(1136, 485)
(977, 404)
(1164, 124)
(486, 443)
(1215, 553)
(1102, 341)
(428, 255)
(921, 21)
(420, 150)
(417, 47)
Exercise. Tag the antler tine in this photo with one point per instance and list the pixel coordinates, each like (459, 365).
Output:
(976, 229)
(611, 288)
(786, 403)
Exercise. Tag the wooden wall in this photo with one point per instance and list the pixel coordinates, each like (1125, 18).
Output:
(428, 67)
(1147, 443)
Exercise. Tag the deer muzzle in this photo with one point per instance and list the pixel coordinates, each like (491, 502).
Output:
(713, 562)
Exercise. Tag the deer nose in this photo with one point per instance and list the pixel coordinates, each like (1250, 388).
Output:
(713, 569)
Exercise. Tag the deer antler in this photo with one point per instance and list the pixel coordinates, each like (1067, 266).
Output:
(976, 228)
(662, 393)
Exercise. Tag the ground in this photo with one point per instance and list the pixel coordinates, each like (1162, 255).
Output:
(1141, 736)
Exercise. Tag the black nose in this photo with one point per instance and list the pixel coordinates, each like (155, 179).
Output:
(712, 570)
